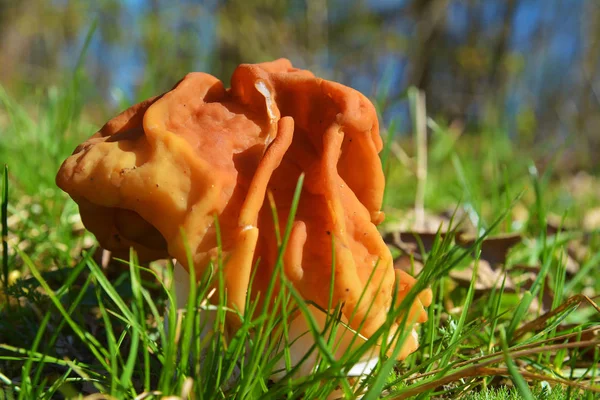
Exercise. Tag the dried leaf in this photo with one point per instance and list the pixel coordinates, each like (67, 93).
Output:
(557, 223)
(540, 322)
(524, 276)
(591, 219)
(408, 264)
(578, 250)
(571, 266)
(494, 249)
(487, 277)
(410, 242)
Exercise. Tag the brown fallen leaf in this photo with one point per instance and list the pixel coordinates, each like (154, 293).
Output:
(578, 250)
(591, 219)
(487, 277)
(494, 249)
(493, 254)
(571, 266)
(582, 185)
(520, 214)
(410, 242)
(408, 264)
(406, 220)
(519, 279)
(524, 276)
(557, 223)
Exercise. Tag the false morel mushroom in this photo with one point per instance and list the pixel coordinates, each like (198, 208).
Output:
(158, 176)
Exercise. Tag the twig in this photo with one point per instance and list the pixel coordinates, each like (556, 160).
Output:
(522, 351)
(419, 116)
(404, 158)
(477, 371)
(541, 320)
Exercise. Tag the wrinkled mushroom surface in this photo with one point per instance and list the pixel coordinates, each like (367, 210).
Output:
(176, 162)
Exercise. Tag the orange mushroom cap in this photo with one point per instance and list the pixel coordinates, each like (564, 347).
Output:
(176, 161)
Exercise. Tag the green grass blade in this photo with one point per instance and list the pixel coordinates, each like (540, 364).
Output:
(190, 311)
(86, 44)
(139, 311)
(4, 218)
(113, 351)
(26, 383)
(115, 296)
(95, 347)
(385, 158)
(514, 372)
(132, 358)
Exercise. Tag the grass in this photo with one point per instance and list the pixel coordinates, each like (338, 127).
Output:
(70, 326)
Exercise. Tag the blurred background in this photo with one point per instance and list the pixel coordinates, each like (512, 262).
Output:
(529, 68)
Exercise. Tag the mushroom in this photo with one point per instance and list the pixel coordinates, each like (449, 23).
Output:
(155, 176)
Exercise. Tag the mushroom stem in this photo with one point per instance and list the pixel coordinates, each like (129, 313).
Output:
(300, 339)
